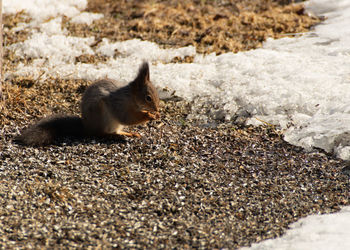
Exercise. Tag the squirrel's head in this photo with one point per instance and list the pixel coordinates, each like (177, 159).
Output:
(145, 94)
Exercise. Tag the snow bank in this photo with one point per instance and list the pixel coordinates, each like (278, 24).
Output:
(315, 232)
(86, 17)
(42, 10)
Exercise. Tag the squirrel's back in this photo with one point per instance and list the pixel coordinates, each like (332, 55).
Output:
(99, 90)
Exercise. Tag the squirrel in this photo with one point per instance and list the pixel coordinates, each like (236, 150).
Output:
(106, 108)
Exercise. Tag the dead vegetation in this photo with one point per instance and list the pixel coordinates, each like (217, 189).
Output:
(210, 26)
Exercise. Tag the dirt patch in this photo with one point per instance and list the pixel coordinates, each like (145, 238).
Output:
(12, 21)
(210, 26)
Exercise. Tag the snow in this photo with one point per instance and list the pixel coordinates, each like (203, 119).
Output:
(143, 49)
(41, 10)
(58, 48)
(301, 84)
(86, 17)
(315, 232)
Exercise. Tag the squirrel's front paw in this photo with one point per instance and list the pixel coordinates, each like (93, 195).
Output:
(154, 116)
(150, 115)
(157, 115)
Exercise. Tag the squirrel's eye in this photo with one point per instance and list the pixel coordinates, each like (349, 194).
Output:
(148, 98)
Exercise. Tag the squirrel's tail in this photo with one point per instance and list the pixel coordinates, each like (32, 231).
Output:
(47, 130)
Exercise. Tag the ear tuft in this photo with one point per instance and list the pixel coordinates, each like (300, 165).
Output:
(143, 74)
(142, 77)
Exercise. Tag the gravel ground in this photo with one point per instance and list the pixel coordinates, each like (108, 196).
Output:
(184, 184)
(179, 186)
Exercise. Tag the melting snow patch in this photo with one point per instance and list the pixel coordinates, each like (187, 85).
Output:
(86, 17)
(41, 10)
(315, 232)
(143, 50)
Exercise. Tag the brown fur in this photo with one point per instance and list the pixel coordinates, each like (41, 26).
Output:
(107, 106)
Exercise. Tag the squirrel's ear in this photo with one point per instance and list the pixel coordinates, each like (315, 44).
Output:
(143, 75)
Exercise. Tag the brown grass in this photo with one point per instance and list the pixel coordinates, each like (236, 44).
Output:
(210, 26)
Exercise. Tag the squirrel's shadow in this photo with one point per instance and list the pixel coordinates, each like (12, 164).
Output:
(80, 140)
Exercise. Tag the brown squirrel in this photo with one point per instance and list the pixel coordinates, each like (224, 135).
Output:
(106, 108)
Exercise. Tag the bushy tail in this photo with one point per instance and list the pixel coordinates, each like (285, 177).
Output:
(47, 130)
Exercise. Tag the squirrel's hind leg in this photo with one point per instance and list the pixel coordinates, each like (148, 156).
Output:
(131, 134)
(119, 131)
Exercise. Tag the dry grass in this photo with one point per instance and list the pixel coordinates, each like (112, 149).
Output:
(210, 26)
